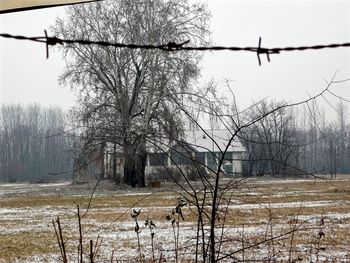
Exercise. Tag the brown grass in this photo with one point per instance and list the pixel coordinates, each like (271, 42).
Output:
(108, 211)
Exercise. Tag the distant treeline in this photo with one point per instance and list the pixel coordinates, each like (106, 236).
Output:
(292, 141)
(287, 142)
(33, 148)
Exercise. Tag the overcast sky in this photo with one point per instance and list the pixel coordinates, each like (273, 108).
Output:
(26, 75)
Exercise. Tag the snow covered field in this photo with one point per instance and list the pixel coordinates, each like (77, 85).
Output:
(257, 211)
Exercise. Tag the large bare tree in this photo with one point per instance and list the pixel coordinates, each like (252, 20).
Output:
(129, 95)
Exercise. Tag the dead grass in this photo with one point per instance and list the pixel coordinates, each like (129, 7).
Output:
(25, 244)
(27, 229)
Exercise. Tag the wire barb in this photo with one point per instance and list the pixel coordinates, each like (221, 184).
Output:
(171, 46)
(258, 51)
(51, 41)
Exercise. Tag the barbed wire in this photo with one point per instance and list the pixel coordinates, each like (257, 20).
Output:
(173, 46)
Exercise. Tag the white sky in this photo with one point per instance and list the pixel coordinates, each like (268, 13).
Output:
(26, 75)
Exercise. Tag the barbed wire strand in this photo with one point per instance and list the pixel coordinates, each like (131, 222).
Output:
(173, 46)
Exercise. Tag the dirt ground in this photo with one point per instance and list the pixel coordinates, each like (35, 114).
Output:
(263, 207)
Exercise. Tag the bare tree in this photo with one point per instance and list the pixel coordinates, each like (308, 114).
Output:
(271, 141)
(343, 140)
(126, 95)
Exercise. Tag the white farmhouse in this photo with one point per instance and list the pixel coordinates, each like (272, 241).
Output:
(197, 149)
(204, 147)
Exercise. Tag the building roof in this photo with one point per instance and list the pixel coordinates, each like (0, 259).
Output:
(212, 140)
(201, 141)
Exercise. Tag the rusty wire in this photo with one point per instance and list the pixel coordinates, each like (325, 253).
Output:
(172, 46)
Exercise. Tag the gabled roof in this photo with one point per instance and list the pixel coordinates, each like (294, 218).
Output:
(212, 140)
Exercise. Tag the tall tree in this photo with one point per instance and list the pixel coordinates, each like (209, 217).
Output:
(270, 142)
(129, 95)
(343, 142)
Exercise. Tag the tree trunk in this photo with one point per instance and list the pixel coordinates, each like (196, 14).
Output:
(134, 167)
(114, 173)
(102, 160)
(129, 169)
(140, 168)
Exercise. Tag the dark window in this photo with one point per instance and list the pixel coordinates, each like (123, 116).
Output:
(182, 158)
(212, 160)
(228, 156)
(200, 158)
(215, 157)
(228, 163)
(228, 168)
(158, 159)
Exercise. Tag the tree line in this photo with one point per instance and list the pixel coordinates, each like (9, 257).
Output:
(292, 141)
(32, 146)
